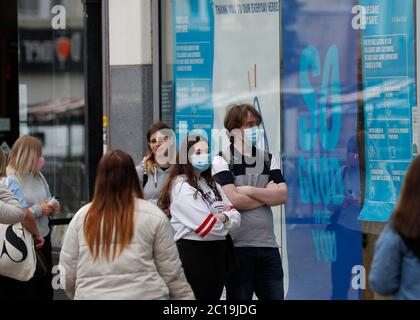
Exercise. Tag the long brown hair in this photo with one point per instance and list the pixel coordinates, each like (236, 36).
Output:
(110, 218)
(406, 215)
(188, 170)
(150, 160)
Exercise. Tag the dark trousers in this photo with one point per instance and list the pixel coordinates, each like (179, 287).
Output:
(204, 264)
(260, 271)
(39, 287)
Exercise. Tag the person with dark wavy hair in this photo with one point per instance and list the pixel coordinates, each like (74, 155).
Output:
(396, 262)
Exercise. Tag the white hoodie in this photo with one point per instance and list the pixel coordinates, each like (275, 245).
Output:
(193, 218)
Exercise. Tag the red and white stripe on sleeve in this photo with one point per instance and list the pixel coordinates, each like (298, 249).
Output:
(206, 226)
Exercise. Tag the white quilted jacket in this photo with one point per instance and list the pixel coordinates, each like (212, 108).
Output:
(149, 268)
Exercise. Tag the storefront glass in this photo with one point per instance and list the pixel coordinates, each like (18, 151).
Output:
(51, 95)
(335, 83)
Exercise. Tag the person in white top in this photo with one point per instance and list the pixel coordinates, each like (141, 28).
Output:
(202, 216)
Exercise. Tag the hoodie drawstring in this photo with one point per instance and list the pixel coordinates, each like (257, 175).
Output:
(154, 176)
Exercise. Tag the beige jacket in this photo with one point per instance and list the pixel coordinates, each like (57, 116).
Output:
(149, 268)
(10, 211)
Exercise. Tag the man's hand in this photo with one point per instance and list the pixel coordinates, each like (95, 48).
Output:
(240, 200)
(272, 185)
(249, 190)
(272, 194)
(246, 190)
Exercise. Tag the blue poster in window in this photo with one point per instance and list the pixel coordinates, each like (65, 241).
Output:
(389, 95)
(193, 66)
(321, 149)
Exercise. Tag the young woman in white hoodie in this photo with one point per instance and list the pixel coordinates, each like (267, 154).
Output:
(201, 219)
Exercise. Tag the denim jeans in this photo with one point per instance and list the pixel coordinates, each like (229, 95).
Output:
(260, 271)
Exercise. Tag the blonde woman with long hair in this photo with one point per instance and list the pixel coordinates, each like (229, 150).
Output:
(10, 210)
(11, 213)
(30, 187)
(120, 246)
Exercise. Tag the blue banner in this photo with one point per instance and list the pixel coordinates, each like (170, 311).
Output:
(321, 149)
(193, 66)
(389, 92)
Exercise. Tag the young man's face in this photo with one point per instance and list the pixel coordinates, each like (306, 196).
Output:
(249, 122)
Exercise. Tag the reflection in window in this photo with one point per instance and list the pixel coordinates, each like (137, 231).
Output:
(51, 92)
(29, 7)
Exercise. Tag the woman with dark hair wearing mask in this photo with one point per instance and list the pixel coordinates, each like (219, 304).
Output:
(201, 219)
(396, 263)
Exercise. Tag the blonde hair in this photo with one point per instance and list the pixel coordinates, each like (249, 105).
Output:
(3, 164)
(24, 154)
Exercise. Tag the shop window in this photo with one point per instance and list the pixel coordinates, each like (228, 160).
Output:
(336, 84)
(52, 97)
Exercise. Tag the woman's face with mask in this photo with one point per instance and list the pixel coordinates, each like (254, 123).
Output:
(200, 157)
(39, 164)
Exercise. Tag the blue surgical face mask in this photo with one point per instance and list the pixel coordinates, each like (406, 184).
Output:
(252, 135)
(200, 162)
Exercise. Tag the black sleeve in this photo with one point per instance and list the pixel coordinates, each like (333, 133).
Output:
(224, 178)
(276, 176)
(145, 178)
